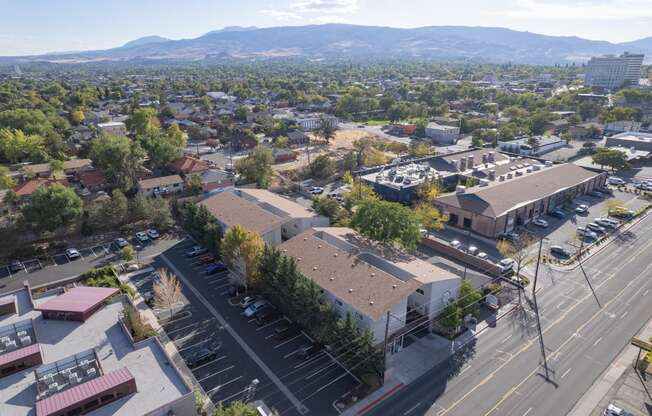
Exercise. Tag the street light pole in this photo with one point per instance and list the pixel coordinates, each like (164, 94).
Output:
(536, 311)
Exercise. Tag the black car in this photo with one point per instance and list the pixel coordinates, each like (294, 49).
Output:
(15, 266)
(266, 316)
(203, 355)
(557, 213)
(286, 331)
(309, 351)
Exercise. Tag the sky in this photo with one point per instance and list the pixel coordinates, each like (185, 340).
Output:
(40, 26)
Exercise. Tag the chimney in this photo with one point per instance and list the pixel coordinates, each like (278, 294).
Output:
(492, 175)
(491, 156)
(462, 164)
(469, 162)
(460, 189)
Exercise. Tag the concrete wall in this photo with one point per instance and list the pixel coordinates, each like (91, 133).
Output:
(431, 302)
(273, 237)
(489, 268)
(296, 226)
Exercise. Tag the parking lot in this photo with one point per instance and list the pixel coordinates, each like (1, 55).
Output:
(243, 350)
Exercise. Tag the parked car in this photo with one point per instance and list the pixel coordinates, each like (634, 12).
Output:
(196, 251)
(142, 236)
(286, 331)
(557, 213)
(153, 234)
(472, 250)
(607, 222)
(540, 222)
(266, 316)
(121, 242)
(595, 227)
(247, 300)
(510, 236)
(613, 180)
(73, 253)
(203, 355)
(456, 244)
(582, 209)
(215, 268)
(559, 251)
(482, 255)
(613, 410)
(506, 265)
(309, 351)
(586, 233)
(208, 258)
(15, 266)
(596, 194)
(148, 297)
(255, 308)
(316, 190)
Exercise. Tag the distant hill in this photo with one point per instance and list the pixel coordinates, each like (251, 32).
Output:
(352, 42)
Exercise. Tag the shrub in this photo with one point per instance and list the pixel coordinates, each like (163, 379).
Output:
(139, 329)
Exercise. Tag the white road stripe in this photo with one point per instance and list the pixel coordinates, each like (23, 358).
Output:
(597, 341)
(566, 373)
(411, 409)
(216, 389)
(208, 363)
(216, 373)
(287, 341)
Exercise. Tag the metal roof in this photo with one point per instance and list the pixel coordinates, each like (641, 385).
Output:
(81, 392)
(78, 299)
(19, 354)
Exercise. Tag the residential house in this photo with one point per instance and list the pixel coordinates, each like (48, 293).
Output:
(296, 138)
(557, 126)
(586, 131)
(93, 180)
(25, 190)
(161, 186)
(187, 165)
(115, 128)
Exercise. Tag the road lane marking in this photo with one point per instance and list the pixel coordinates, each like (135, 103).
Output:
(527, 411)
(566, 373)
(506, 339)
(413, 408)
(597, 341)
(624, 314)
(302, 409)
(646, 292)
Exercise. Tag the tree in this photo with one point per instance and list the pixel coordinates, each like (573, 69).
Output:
(163, 149)
(322, 167)
(17, 147)
(612, 204)
(159, 214)
(518, 251)
(52, 207)
(451, 316)
(281, 141)
(116, 210)
(257, 167)
(347, 178)
(127, 254)
(612, 158)
(77, 117)
(195, 186)
(387, 222)
(328, 207)
(143, 121)
(6, 181)
(326, 130)
(119, 159)
(241, 249)
(431, 218)
(533, 141)
(139, 207)
(235, 408)
(468, 299)
(167, 290)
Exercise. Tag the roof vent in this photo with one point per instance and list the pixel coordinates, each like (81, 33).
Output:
(371, 302)
(373, 274)
(318, 245)
(305, 238)
(350, 290)
(460, 189)
(394, 286)
(314, 268)
(332, 278)
(334, 254)
(298, 258)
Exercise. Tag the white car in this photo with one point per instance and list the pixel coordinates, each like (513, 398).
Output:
(506, 264)
(482, 255)
(153, 234)
(472, 250)
(142, 236)
(247, 300)
(613, 180)
(582, 209)
(255, 307)
(456, 244)
(121, 242)
(72, 253)
(316, 190)
(540, 223)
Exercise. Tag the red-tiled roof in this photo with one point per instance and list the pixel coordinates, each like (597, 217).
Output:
(28, 188)
(95, 387)
(78, 299)
(19, 354)
(187, 164)
(92, 178)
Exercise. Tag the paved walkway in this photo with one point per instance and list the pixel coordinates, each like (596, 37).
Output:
(594, 399)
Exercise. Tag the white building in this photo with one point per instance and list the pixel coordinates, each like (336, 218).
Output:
(368, 280)
(314, 122)
(523, 147)
(442, 134)
(115, 128)
(612, 72)
(161, 186)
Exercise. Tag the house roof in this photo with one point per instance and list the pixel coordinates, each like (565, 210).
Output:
(289, 207)
(38, 168)
(231, 209)
(72, 396)
(19, 354)
(159, 181)
(346, 274)
(77, 163)
(187, 164)
(92, 178)
(78, 299)
(495, 201)
(28, 188)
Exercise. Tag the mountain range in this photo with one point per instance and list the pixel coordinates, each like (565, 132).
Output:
(352, 43)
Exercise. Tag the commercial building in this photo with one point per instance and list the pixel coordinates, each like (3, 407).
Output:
(641, 142)
(442, 134)
(613, 72)
(517, 197)
(534, 146)
(315, 121)
(72, 367)
(371, 281)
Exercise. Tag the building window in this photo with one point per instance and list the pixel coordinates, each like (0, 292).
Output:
(468, 222)
(420, 291)
(453, 219)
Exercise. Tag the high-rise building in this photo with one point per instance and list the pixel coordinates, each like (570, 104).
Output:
(612, 72)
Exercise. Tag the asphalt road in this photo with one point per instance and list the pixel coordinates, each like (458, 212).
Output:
(584, 329)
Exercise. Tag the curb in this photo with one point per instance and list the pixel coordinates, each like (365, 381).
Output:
(379, 399)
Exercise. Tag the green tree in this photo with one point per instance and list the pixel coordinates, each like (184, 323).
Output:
(451, 316)
(195, 186)
(139, 207)
(328, 207)
(322, 167)
(468, 299)
(387, 222)
(6, 181)
(235, 408)
(143, 121)
(612, 158)
(326, 130)
(281, 141)
(77, 117)
(52, 207)
(159, 214)
(127, 254)
(113, 212)
(257, 167)
(241, 249)
(119, 159)
(431, 218)
(163, 149)
(17, 147)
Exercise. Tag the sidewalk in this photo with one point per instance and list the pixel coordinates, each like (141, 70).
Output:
(593, 400)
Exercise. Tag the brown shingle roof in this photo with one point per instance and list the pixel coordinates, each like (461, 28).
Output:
(366, 288)
(28, 188)
(503, 197)
(231, 209)
(187, 164)
(159, 181)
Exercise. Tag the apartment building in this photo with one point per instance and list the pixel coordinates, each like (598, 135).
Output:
(442, 134)
(613, 72)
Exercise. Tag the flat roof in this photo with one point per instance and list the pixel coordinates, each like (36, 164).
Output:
(231, 209)
(158, 381)
(78, 299)
(633, 136)
(291, 208)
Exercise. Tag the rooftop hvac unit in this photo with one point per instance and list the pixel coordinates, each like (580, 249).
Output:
(484, 182)
(528, 170)
(548, 163)
(491, 156)
(536, 167)
(492, 175)
(519, 173)
(501, 178)
(460, 189)
(509, 175)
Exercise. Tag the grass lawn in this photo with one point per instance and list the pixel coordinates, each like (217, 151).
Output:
(377, 122)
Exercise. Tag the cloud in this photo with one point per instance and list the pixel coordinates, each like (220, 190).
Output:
(280, 14)
(580, 9)
(329, 7)
(333, 18)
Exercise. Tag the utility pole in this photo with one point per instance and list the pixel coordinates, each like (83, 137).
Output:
(468, 237)
(536, 311)
(385, 346)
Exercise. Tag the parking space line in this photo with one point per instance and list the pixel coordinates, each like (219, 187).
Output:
(270, 335)
(214, 374)
(270, 324)
(226, 292)
(234, 395)
(187, 326)
(216, 389)
(312, 360)
(208, 363)
(301, 408)
(188, 336)
(220, 280)
(285, 342)
(320, 370)
(222, 286)
(292, 353)
(331, 382)
(194, 345)
(189, 314)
